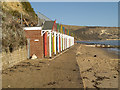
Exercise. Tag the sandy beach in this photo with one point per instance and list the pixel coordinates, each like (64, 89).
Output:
(98, 68)
(82, 66)
(62, 72)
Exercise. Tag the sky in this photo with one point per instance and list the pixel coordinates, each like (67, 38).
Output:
(80, 13)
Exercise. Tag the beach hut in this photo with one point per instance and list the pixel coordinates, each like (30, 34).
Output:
(50, 28)
(58, 38)
(45, 35)
(34, 41)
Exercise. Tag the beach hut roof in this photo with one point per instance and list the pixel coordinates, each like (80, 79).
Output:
(48, 25)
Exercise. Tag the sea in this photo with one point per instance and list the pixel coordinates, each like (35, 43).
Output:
(105, 42)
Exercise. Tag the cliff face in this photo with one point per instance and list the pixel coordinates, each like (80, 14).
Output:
(94, 33)
(13, 6)
(17, 8)
(13, 35)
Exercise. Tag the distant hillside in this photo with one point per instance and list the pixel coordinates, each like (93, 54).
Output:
(72, 27)
(93, 33)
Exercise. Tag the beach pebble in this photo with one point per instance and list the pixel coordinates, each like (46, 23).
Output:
(118, 70)
(69, 79)
(8, 86)
(114, 76)
(34, 56)
(51, 83)
(74, 69)
(78, 53)
(95, 55)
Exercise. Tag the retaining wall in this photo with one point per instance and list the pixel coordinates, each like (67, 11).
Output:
(10, 59)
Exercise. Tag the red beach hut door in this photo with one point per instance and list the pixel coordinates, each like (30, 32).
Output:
(45, 44)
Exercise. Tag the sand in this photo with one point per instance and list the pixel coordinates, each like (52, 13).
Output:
(82, 66)
(98, 68)
(62, 72)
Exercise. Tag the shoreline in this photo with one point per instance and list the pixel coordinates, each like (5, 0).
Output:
(101, 40)
(112, 39)
(98, 67)
(111, 53)
(99, 43)
(106, 49)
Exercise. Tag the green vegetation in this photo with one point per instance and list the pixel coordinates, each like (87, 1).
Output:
(13, 36)
(15, 13)
(27, 6)
(30, 11)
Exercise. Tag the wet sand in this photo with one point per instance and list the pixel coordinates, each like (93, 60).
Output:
(98, 68)
(62, 72)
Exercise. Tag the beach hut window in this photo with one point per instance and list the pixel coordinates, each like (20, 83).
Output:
(36, 40)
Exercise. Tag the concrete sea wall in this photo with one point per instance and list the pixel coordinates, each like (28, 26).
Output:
(10, 59)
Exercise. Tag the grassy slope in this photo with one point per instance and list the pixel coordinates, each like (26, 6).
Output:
(93, 33)
(13, 35)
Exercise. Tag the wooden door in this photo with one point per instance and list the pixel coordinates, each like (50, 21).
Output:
(45, 43)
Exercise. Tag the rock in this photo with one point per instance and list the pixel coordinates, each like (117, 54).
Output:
(114, 76)
(37, 69)
(34, 56)
(95, 55)
(69, 79)
(51, 83)
(11, 70)
(74, 69)
(8, 86)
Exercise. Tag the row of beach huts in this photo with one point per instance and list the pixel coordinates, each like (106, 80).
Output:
(47, 40)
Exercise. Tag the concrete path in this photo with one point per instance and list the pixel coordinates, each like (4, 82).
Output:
(62, 72)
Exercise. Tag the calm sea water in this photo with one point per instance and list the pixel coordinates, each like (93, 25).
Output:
(106, 42)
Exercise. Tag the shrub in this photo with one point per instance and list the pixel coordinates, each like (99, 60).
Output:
(14, 13)
(13, 36)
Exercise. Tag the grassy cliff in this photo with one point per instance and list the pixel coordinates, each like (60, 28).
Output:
(13, 36)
